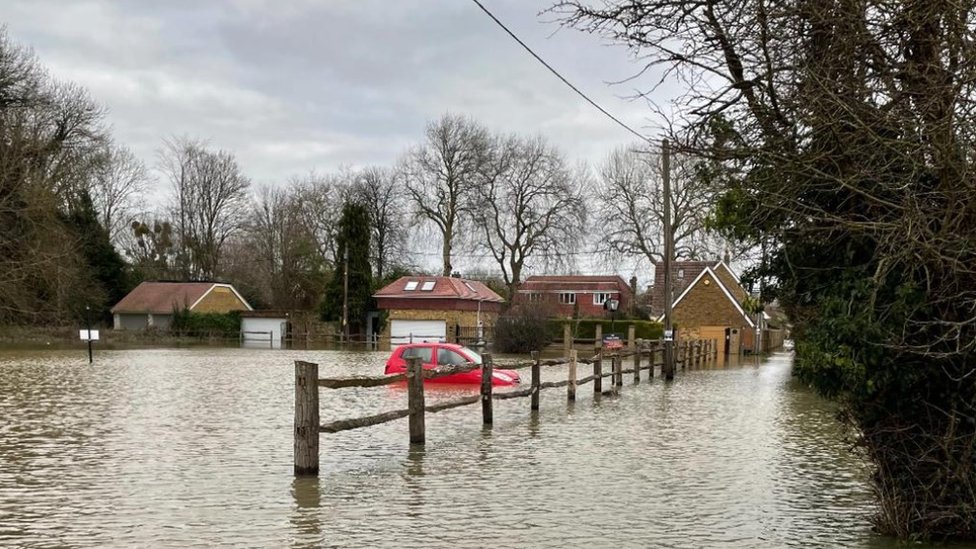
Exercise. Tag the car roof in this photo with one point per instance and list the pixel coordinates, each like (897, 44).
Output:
(453, 346)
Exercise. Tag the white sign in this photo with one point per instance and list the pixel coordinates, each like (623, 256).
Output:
(668, 335)
(88, 335)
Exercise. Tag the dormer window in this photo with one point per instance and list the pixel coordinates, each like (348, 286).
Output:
(428, 286)
(411, 286)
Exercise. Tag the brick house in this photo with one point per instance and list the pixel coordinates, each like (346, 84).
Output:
(709, 303)
(435, 308)
(562, 295)
(151, 304)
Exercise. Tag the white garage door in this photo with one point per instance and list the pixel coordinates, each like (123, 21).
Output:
(263, 332)
(417, 331)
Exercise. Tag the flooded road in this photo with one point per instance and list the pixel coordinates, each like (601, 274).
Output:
(193, 448)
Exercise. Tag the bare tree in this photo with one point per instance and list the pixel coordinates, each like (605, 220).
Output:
(378, 190)
(529, 206)
(442, 174)
(288, 270)
(631, 207)
(319, 199)
(117, 187)
(210, 198)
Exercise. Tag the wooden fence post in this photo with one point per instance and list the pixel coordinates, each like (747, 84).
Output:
(618, 370)
(598, 340)
(567, 338)
(306, 418)
(487, 371)
(598, 372)
(415, 400)
(536, 374)
(571, 386)
(637, 361)
(651, 350)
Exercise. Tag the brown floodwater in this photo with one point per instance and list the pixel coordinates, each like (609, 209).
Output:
(193, 448)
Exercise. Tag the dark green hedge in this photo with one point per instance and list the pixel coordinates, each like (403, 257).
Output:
(186, 323)
(585, 328)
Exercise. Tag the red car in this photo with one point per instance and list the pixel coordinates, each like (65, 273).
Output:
(444, 354)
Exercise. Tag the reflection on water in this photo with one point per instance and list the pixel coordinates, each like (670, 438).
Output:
(177, 448)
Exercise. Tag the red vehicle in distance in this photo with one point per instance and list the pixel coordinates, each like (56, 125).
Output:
(447, 354)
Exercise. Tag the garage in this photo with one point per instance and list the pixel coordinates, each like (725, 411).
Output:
(263, 329)
(417, 331)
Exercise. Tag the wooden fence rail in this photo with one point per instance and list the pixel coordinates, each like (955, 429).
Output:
(307, 384)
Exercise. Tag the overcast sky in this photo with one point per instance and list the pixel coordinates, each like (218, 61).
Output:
(292, 86)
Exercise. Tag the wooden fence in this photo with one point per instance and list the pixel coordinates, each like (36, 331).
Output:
(688, 354)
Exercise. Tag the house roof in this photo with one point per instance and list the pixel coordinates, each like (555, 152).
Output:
(593, 283)
(438, 287)
(689, 271)
(707, 271)
(164, 297)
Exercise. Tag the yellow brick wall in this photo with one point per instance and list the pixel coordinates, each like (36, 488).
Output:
(465, 319)
(220, 300)
(705, 305)
(731, 283)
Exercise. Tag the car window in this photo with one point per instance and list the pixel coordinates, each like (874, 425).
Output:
(474, 355)
(447, 357)
(425, 353)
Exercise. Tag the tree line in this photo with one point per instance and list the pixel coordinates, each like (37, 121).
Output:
(76, 229)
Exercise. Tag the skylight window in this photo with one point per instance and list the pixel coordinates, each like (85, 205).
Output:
(470, 287)
(411, 286)
(428, 285)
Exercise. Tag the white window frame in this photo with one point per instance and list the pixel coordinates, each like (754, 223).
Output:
(428, 286)
(599, 298)
(567, 298)
(534, 297)
(411, 286)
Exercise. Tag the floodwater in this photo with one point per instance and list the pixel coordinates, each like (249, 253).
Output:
(193, 448)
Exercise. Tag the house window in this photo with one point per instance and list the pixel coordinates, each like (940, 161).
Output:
(428, 286)
(601, 298)
(533, 297)
(411, 286)
(567, 298)
(681, 274)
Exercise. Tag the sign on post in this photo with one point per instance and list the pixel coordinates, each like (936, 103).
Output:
(668, 335)
(88, 335)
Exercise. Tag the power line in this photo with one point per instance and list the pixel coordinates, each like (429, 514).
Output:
(559, 76)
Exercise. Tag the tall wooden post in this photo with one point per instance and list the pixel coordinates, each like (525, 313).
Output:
(487, 372)
(632, 346)
(536, 374)
(651, 351)
(598, 341)
(415, 400)
(637, 361)
(598, 372)
(618, 371)
(567, 339)
(668, 367)
(571, 386)
(306, 418)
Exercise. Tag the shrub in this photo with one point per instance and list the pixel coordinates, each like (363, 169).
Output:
(585, 328)
(522, 330)
(188, 323)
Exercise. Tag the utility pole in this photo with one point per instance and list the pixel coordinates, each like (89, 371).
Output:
(345, 296)
(668, 258)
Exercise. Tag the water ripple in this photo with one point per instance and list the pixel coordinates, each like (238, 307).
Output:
(192, 448)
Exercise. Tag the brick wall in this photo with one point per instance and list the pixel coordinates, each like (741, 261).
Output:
(731, 283)
(706, 305)
(452, 318)
(220, 300)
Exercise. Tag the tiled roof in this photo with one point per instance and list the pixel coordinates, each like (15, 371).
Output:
(161, 297)
(689, 271)
(440, 287)
(540, 283)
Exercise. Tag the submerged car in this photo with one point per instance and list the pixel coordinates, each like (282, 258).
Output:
(447, 354)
